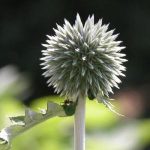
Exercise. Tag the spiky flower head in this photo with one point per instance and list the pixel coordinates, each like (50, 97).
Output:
(83, 59)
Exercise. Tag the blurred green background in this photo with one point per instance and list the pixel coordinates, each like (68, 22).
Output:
(104, 129)
(23, 26)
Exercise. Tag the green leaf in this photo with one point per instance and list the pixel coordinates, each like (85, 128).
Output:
(31, 118)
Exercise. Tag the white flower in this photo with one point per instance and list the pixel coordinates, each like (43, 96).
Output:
(83, 59)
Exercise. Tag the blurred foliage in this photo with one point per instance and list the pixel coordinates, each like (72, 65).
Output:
(105, 130)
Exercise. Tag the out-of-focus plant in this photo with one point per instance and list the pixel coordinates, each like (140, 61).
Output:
(10, 77)
(80, 61)
(106, 132)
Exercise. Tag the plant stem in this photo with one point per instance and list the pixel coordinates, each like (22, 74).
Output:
(79, 124)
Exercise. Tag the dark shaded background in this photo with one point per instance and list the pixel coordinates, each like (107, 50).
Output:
(24, 24)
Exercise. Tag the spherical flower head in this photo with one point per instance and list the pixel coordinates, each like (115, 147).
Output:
(83, 59)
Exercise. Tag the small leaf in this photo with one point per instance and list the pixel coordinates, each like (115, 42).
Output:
(21, 124)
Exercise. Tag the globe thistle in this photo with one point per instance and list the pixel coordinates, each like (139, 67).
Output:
(83, 59)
